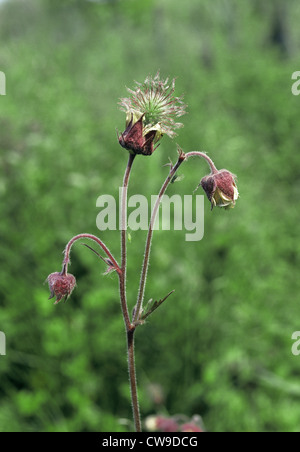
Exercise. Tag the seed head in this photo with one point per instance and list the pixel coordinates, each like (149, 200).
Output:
(152, 107)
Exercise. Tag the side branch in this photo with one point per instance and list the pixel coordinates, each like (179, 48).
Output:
(204, 156)
(122, 278)
(182, 157)
(163, 189)
(67, 251)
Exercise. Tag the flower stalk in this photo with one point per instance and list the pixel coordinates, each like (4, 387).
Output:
(145, 266)
(122, 278)
(67, 251)
(130, 329)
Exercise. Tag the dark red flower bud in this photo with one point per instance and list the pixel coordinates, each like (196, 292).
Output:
(220, 189)
(61, 285)
(133, 138)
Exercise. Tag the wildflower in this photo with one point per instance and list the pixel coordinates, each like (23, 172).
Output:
(150, 112)
(61, 285)
(220, 189)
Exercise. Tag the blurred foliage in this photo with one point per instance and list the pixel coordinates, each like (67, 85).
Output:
(220, 347)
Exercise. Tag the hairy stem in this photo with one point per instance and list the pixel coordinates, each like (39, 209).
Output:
(131, 327)
(133, 383)
(67, 251)
(204, 156)
(181, 159)
(149, 237)
(122, 279)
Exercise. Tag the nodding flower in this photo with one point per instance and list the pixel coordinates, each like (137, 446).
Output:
(221, 189)
(61, 285)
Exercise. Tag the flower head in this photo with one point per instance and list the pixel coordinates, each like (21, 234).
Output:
(150, 112)
(61, 285)
(220, 189)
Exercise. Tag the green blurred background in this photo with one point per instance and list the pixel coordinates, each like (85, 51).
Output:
(221, 345)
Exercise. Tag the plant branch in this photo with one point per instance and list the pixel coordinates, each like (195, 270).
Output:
(122, 279)
(132, 379)
(122, 276)
(67, 251)
(204, 156)
(182, 157)
(143, 278)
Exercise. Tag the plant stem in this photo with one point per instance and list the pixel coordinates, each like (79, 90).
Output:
(130, 327)
(149, 237)
(122, 276)
(67, 251)
(204, 156)
(133, 383)
(181, 159)
(122, 279)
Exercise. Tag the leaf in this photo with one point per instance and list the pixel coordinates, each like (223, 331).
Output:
(96, 252)
(154, 306)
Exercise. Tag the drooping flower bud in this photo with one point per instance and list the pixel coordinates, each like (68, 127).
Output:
(61, 285)
(149, 114)
(220, 188)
